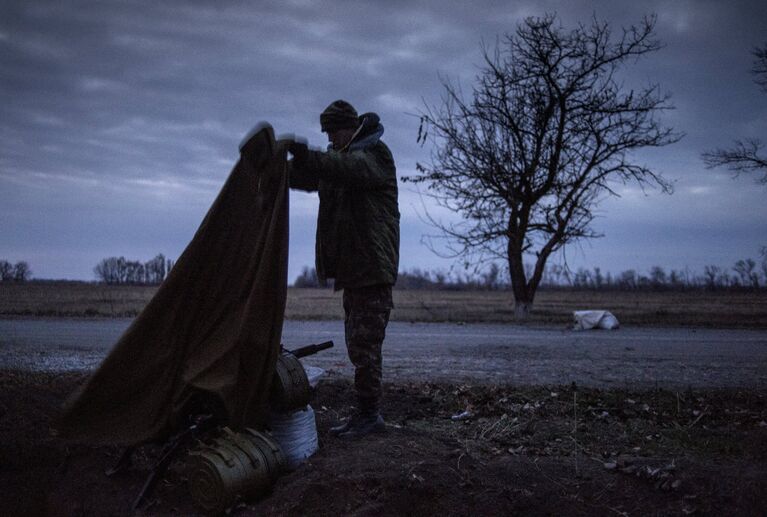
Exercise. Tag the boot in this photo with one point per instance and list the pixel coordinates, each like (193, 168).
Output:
(361, 425)
(343, 427)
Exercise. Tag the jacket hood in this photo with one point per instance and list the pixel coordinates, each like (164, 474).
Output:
(370, 132)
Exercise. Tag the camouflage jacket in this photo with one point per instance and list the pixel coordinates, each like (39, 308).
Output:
(358, 222)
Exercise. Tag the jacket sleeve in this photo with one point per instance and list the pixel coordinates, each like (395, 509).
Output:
(302, 178)
(367, 169)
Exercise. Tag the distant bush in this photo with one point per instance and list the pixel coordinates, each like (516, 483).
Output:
(307, 278)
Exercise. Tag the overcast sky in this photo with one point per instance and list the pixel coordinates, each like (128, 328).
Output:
(120, 121)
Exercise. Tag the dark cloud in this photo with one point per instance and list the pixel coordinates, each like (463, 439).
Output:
(121, 119)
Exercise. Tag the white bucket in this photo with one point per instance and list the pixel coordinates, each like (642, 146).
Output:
(296, 432)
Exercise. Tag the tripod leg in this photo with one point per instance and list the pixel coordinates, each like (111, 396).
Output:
(123, 462)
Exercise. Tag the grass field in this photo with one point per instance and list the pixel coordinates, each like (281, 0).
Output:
(726, 309)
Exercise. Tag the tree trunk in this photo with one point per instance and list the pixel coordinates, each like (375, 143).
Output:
(522, 309)
(523, 294)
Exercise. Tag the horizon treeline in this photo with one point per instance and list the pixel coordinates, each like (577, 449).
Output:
(744, 274)
(18, 272)
(121, 271)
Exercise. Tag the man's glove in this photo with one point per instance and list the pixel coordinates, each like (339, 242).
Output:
(299, 150)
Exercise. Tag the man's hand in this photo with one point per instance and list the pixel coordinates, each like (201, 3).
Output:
(299, 150)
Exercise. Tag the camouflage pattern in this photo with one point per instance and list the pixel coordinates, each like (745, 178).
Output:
(357, 238)
(367, 312)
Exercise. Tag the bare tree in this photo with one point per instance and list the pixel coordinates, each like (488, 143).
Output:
(154, 270)
(760, 67)
(746, 156)
(557, 274)
(763, 253)
(21, 272)
(135, 272)
(6, 271)
(658, 277)
(491, 279)
(710, 275)
(122, 270)
(599, 280)
(546, 134)
(582, 278)
(746, 272)
(676, 279)
(108, 271)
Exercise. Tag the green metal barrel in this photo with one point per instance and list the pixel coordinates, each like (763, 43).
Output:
(290, 386)
(235, 464)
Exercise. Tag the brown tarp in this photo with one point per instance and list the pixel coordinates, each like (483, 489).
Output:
(214, 325)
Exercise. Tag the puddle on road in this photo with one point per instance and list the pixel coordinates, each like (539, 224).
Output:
(65, 364)
(57, 364)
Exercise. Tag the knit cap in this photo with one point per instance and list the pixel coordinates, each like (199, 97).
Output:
(339, 115)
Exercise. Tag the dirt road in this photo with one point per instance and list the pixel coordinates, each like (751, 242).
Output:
(476, 353)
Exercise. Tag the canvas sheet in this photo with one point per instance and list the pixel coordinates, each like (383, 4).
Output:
(213, 327)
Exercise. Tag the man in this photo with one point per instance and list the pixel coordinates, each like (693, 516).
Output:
(357, 242)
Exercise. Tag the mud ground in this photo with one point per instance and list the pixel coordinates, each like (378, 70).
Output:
(539, 450)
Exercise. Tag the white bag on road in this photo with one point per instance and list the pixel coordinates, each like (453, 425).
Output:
(585, 320)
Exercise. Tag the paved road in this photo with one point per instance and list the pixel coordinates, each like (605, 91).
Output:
(646, 357)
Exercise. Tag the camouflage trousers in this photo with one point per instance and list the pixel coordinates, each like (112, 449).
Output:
(367, 314)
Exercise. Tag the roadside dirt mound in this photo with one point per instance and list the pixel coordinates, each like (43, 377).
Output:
(531, 450)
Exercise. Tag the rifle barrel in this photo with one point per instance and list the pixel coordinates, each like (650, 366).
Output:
(311, 349)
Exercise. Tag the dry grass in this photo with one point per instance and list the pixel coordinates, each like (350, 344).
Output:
(73, 299)
(690, 308)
